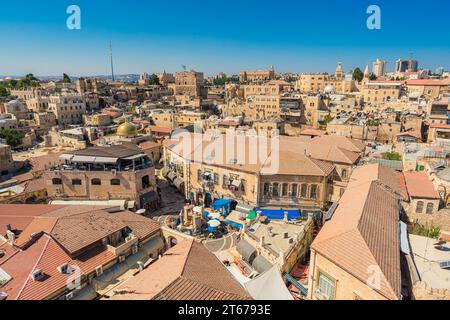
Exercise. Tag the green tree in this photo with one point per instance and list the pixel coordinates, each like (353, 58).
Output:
(373, 77)
(358, 75)
(66, 78)
(3, 91)
(327, 119)
(392, 156)
(12, 137)
(154, 80)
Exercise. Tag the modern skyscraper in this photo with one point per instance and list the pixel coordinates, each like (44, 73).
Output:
(406, 65)
(379, 68)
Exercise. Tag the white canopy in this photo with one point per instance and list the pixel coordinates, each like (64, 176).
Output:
(214, 223)
(268, 286)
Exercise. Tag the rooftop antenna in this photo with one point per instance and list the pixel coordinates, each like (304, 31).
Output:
(112, 63)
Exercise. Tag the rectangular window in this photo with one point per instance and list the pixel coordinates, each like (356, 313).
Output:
(76, 182)
(199, 175)
(294, 190)
(284, 190)
(304, 191)
(216, 179)
(326, 286)
(314, 191)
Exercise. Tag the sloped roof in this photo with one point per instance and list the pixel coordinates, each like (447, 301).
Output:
(364, 230)
(341, 142)
(187, 271)
(419, 186)
(123, 150)
(47, 255)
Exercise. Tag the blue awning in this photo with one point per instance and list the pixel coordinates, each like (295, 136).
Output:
(222, 203)
(278, 214)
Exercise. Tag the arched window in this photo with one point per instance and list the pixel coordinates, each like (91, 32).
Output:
(430, 208)
(115, 182)
(419, 208)
(57, 181)
(96, 182)
(76, 182)
(344, 174)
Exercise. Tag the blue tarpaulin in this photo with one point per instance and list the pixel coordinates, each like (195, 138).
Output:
(222, 203)
(278, 214)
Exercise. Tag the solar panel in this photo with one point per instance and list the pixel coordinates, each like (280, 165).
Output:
(445, 264)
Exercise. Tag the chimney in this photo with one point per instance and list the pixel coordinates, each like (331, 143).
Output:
(8, 227)
(286, 235)
(261, 241)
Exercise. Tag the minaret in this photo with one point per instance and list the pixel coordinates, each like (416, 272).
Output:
(339, 72)
(112, 63)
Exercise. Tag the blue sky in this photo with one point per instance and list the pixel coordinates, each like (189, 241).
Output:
(214, 36)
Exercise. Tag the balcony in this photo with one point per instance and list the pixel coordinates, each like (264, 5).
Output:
(122, 247)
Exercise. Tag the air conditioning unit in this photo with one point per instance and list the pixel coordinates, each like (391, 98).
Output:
(69, 296)
(129, 238)
(121, 258)
(99, 271)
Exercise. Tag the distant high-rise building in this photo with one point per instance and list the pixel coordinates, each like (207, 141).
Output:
(406, 65)
(379, 68)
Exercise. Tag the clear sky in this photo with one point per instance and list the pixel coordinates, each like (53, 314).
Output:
(214, 36)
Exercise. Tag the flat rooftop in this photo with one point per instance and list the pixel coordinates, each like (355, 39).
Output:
(274, 234)
(427, 258)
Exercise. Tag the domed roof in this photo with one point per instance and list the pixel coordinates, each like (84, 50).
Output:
(126, 130)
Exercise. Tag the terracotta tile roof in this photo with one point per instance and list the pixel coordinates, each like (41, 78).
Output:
(47, 255)
(21, 215)
(149, 145)
(161, 129)
(142, 227)
(364, 230)
(341, 142)
(77, 232)
(419, 185)
(187, 271)
(427, 82)
(440, 126)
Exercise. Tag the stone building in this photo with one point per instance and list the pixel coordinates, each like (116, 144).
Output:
(190, 83)
(68, 108)
(122, 172)
(256, 75)
(360, 239)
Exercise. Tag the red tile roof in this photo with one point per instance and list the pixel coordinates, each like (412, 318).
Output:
(47, 255)
(364, 229)
(187, 271)
(419, 185)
